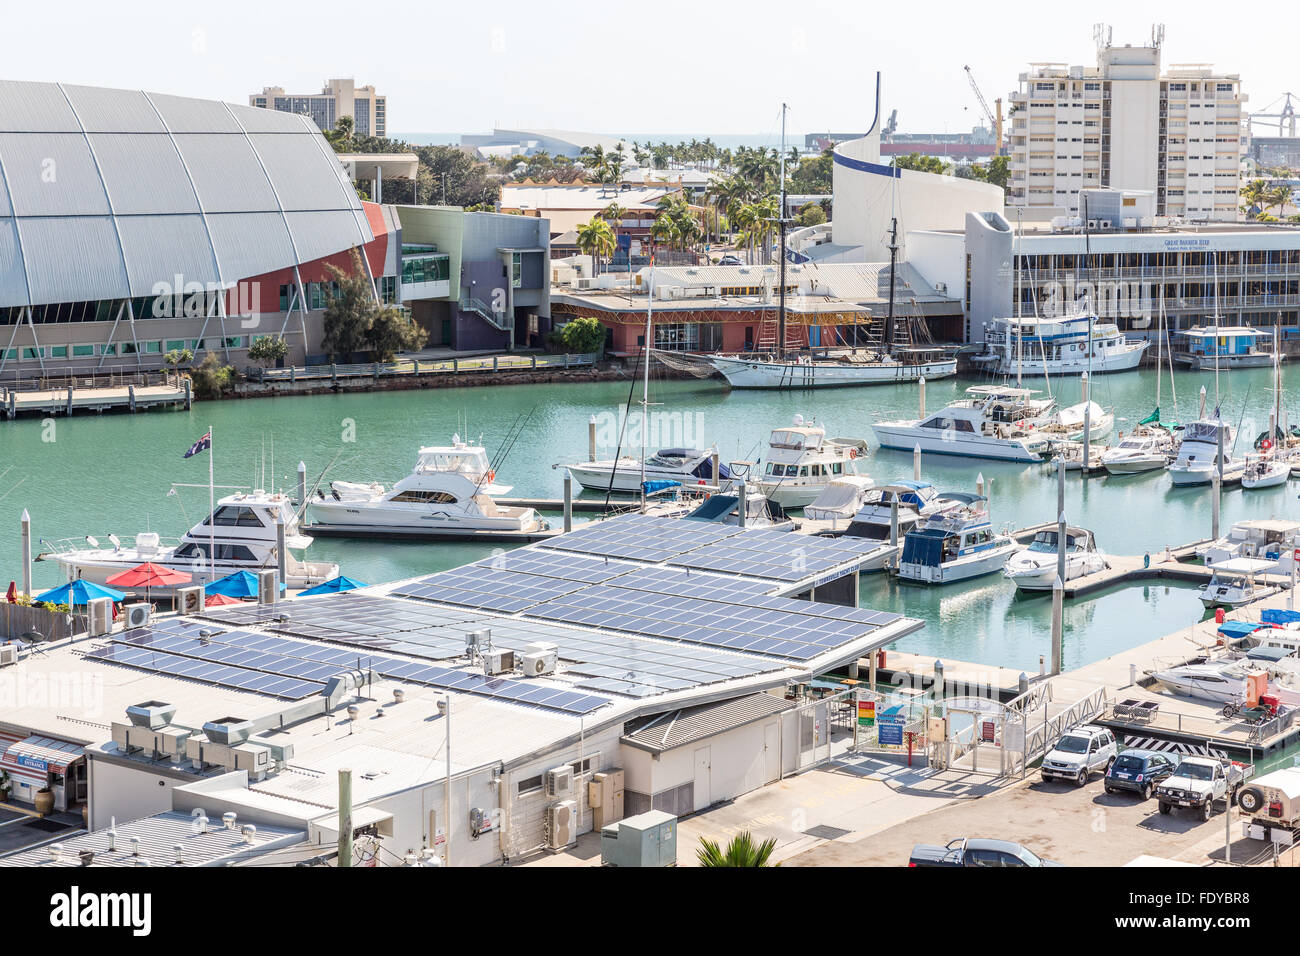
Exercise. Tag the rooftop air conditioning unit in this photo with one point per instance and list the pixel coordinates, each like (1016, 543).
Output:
(100, 618)
(190, 600)
(585, 283)
(268, 589)
(135, 615)
(8, 654)
(539, 660)
(560, 820)
(498, 662)
(559, 781)
(1104, 223)
(1092, 223)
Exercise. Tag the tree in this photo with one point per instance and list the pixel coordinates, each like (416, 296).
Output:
(998, 171)
(1254, 196)
(343, 136)
(355, 322)
(613, 214)
(924, 164)
(1279, 196)
(812, 214)
(814, 174)
(742, 851)
(211, 378)
(178, 357)
(268, 349)
(582, 335)
(595, 238)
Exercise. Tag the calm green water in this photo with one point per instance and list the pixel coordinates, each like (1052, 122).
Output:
(93, 475)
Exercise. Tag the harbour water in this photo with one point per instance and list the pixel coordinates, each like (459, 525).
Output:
(111, 473)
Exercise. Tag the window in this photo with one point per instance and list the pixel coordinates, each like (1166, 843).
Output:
(585, 765)
(429, 497)
(231, 516)
(80, 350)
(529, 785)
(516, 269)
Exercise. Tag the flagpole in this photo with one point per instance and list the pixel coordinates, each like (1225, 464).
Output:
(212, 510)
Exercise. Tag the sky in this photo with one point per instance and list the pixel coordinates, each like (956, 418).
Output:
(686, 68)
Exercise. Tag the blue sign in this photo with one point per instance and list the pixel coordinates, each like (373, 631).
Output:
(890, 729)
(36, 763)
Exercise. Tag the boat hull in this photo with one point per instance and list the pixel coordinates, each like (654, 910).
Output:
(962, 569)
(627, 479)
(334, 516)
(1135, 465)
(742, 373)
(961, 444)
(1044, 578)
(1112, 360)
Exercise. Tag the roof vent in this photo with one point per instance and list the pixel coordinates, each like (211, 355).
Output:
(231, 731)
(153, 714)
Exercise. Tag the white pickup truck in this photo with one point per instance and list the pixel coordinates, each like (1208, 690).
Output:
(1199, 781)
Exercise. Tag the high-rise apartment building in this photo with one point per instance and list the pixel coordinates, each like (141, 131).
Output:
(1125, 124)
(368, 110)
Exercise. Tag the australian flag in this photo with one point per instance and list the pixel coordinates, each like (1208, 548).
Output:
(203, 444)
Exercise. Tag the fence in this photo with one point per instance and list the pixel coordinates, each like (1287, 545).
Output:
(17, 620)
(112, 377)
(457, 366)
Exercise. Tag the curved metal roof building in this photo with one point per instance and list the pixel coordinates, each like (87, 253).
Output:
(104, 193)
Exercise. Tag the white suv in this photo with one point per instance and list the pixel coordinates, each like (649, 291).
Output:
(1078, 753)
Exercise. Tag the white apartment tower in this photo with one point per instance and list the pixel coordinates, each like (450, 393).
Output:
(1127, 125)
(368, 110)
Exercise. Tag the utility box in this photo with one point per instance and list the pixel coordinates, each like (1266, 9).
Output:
(605, 797)
(647, 839)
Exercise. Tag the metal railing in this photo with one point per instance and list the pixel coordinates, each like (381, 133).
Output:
(31, 380)
(503, 321)
(455, 366)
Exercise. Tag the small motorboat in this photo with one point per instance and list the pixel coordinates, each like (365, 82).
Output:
(1035, 567)
(1265, 472)
(1232, 582)
(1143, 451)
(841, 499)
(955, 543)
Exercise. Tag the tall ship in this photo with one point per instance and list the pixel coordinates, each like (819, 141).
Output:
(241, 531)
(1070, 345)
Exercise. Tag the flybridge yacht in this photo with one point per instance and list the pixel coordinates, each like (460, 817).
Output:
(1198, 456)
(917, 500)
(995, 421)
(955, 543)
(242, 529)
(448, 493)
(1271, 540)
(1068, 345)
(1035, 568)
(802, 461)
(688, 465)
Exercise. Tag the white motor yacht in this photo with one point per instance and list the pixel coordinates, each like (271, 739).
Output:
(1143, 451)
(802, 461)
(242, 529)
(1035, 568)
(995, 421)
(447, 494)
(917, 500)
(690, 466)
(1198, 455)
(1270, 539)
(1224, 680)
(1067, 424)
(841, 499)
(955, 543)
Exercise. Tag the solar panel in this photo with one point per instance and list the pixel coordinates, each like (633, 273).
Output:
(224, 675)
(641, 538)
(777, 555)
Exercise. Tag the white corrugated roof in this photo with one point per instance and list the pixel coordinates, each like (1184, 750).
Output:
(589, 196)
(141, 177)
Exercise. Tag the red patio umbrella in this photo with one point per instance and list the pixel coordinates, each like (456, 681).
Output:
(217, 600)
(12, 594)
(150, 575)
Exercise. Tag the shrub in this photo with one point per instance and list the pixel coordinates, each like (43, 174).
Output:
(211, 378)
(268, 349)
(579, 335)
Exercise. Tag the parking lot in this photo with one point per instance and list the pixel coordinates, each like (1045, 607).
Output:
(1074, 826)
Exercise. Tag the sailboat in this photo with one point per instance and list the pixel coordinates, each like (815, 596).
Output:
(1151, 444)
(892, 363)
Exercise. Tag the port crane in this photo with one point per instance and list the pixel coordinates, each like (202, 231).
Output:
(994, 120)
(1286, 119)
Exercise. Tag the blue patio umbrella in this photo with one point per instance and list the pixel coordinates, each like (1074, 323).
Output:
(78, 593)
(333, 586)
(239, 584)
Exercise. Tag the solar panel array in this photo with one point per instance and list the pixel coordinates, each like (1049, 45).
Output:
(776, 555)
(641, 538)
(177, 649)
(775, 627)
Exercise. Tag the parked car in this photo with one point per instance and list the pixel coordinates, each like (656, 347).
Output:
(1078, 753)
(730, 260)
(1199, 781)
(965, 852)
(1139, 771)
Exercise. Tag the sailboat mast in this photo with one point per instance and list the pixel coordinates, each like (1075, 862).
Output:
(780, 222)
(893, 267)
(645, 381)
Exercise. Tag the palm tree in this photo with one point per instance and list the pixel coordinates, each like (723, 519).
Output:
(1253, 194)
(595, 238)
(741, 851)
(1279, 196)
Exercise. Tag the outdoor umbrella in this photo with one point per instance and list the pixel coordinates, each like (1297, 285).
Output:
(12, 594)
(239, 584)
(218, 600)
(149, 575)
(78, 593)
(333, 586)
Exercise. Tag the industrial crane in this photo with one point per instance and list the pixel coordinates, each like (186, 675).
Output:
(1286, 120)
(994, 120)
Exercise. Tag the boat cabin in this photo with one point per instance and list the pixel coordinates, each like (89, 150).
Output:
(1221, 341)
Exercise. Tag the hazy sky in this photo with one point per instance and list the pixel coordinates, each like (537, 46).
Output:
(661, 67)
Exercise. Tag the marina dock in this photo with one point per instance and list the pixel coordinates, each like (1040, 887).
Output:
(70, 398)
